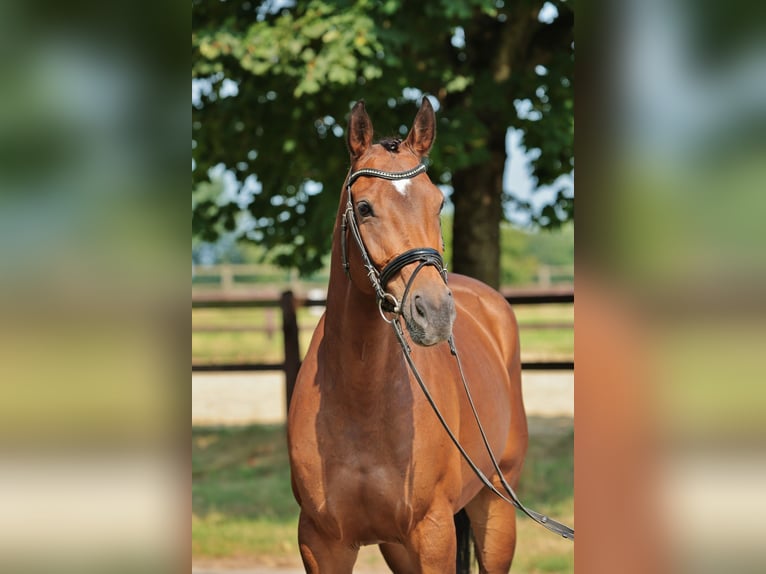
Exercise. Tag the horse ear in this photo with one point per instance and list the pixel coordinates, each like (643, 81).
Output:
(421, 136)
(359, 130)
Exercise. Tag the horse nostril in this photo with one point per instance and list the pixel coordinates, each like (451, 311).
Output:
(419, 306)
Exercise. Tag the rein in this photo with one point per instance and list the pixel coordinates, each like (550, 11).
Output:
(388, 303)
(549, 523)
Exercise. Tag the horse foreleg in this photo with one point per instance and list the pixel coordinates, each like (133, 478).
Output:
(431, 544)
(398, 558)
(321, 554)
(493, 522)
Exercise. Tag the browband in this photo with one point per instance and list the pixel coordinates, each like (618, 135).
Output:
(389, 175)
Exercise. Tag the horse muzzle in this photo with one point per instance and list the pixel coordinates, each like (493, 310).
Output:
(429, 315)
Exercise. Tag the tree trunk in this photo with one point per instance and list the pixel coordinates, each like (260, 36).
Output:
(477, 198)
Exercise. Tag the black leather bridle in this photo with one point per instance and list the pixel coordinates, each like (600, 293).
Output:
(387, 303)
(379, 279)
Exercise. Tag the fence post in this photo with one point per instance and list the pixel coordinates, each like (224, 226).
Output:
(544, 276)
(227, 277)
(292, 348)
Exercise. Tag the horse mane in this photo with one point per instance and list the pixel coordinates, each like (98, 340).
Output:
(391, 144)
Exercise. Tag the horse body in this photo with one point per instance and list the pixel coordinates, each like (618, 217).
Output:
(370, 461)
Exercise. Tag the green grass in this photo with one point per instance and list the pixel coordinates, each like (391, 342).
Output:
(547, 486)
(550, 343)
(242, 503)
(243, 508)
(266, 346)
(262, 346)
(227, 464)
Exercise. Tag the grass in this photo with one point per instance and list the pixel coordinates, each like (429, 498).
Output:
(243, 509)
(539, 341)
(265, 345)
(547, 486)
(242, 504)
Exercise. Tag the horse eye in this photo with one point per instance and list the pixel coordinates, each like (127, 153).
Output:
(364, 209)
(441, 207)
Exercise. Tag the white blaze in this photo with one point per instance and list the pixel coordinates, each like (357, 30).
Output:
(401, 185)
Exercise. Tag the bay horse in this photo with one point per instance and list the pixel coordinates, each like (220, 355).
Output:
(370, 461)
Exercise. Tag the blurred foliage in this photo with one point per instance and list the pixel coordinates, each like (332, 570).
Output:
(273, 82)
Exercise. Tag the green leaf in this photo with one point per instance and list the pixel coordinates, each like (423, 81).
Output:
(458, 84)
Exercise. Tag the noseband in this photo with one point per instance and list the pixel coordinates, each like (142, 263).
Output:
(379, 279)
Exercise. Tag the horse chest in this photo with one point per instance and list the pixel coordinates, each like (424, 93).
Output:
(370, 490)
(367, 474)
(370, 500)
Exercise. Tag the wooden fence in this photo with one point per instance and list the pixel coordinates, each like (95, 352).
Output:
(228, 276)
(288, 303)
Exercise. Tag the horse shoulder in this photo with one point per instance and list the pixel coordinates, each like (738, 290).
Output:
(491, 312)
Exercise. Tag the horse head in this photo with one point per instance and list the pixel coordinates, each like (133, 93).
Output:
(393, 213)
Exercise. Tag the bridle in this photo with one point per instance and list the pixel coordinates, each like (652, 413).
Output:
(387, 303)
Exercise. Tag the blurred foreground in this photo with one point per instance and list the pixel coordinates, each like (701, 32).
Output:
(670, 316)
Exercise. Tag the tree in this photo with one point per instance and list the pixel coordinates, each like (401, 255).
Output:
(277, 80)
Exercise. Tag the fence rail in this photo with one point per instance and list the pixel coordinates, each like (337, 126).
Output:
(288, 303)
(229, 276)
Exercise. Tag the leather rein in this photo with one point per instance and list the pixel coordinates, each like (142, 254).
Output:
(387, 303)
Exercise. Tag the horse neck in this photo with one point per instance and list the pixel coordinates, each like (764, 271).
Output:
(362, 348)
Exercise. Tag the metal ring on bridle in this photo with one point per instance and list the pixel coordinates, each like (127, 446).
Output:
(395, 310)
